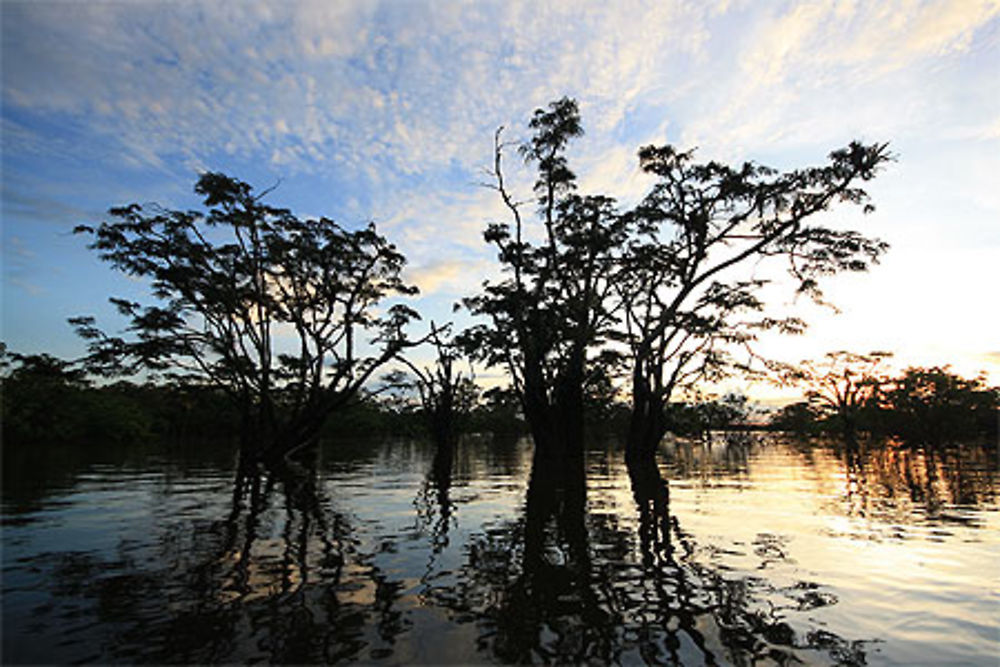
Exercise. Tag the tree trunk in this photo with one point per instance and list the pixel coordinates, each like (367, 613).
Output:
(556, 425)
(569, 405)
(540, 413)
(268, 443)
(647, 421)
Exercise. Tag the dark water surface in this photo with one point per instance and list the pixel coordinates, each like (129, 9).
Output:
(766, 552)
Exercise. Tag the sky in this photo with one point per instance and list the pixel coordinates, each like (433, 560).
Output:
(385, 111)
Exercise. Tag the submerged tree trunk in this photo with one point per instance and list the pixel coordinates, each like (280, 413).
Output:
(444, 434)
(569, 405)
(268, 442)
(555, 414)
(557, 428)
(648, 422)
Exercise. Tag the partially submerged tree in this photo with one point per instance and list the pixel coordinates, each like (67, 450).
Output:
(273, 309)
(552, 309)
(446, 394)
(688, 290)
(669, 284)
(498, 411)
(800, 417)
(936, 405)
(848, 392)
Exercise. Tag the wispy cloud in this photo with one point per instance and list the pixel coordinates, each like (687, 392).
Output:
(379, 88)
(381, 94)
(447, 277)
(808, 72)
(17, 263)
(14, 247)
(385, 110)
(42, 209)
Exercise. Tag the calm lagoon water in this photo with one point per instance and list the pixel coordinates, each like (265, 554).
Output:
(763, 551)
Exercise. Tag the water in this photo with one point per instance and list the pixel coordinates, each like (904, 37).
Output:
(764, 551)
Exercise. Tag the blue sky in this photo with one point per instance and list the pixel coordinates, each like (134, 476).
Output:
(385, 111)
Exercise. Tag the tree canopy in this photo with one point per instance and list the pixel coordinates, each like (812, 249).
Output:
(554, 307)
(278, 311)
(596, 299)
(851, 392)
(446, 396)
(667, 287)
(688, 293)
(935, 405)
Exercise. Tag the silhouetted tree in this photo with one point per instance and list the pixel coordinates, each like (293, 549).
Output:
(935, 405)
(841, 385)
(227, 280)
(800, 417)
(446, 396)
(685, 303)
(552, 308)
(730, 411)
(498, 412)
(660, 280)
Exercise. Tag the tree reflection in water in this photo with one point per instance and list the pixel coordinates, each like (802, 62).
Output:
(707, 617)
(895, 483)
(290, 589)
(267, 583)
(561, 585)
(434, 505)
(592, 567)
(552, 609)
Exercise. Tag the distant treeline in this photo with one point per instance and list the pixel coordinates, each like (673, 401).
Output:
(46, 399)
(49, 400)
(927, 405)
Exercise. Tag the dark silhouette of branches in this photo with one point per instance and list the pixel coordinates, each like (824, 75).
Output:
(228, 282)
(842, 384)
(667, 286)
(685, 303)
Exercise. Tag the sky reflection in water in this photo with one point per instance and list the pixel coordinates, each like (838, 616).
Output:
(750, 550)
